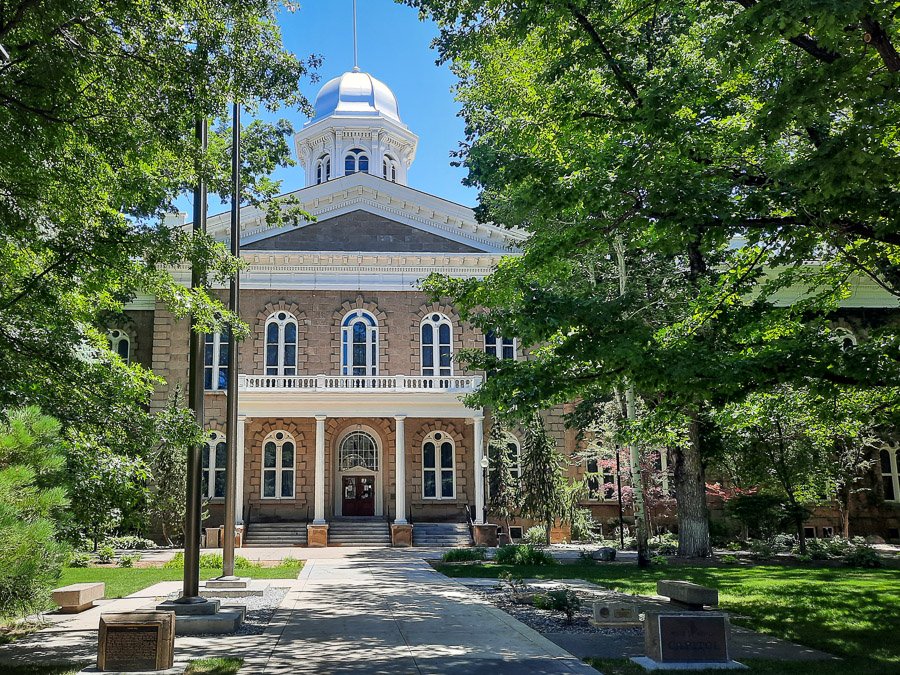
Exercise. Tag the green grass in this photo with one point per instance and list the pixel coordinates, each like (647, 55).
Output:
(626, 667)
(214, 666)
(122, 581)
(851, 613)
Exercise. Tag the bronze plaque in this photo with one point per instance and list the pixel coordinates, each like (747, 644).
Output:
(131, 647)
(693, 639)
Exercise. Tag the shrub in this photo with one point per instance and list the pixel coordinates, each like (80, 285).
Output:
(290, 561)
(665, 544)
(761, 550)
(105, 554)
(523, 554)
(79, 559)
(816, 549)
(584, 527)
(211, 561)
(729, 559)
(129, 543)
(535, 536)
(862, 556)
(128, 560)
(463, 554)
(513, 584)
(734, 546)
(659, 561)
(783, 543)
(565, 601)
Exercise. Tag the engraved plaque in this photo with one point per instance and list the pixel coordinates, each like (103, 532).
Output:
(687, 638)
(131, 647)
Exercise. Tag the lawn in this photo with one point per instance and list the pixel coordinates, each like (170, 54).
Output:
(122, 581)
(851, 613)
(211, 666)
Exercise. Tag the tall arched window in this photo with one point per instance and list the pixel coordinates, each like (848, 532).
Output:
(355, 161)
(844, 338)
(600, 478)
(212, 460)
(215, 362)
(389, 168)
(279, 453)
(323, 169)
(890, 473)
(437, 351)
(120, 343)
(501, 347)
(359, 344)
(281, 344)
(359, 451)
(438, 466)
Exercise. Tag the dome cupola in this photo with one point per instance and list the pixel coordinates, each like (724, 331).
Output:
(356, 128)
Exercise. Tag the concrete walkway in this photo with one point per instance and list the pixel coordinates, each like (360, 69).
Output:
(383, 613)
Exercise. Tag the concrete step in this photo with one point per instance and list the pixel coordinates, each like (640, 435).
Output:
(441, 534)
(359, 533)
(275, 535)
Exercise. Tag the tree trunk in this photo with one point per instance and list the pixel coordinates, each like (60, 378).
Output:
(801, 534)
(690, 497)
(843, 500)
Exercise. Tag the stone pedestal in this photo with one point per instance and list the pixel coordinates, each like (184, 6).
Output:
(687, 595)
(401, 535)
(317, 536)
(686, 640)
(136, 641)
(204, 617)
(485, 535)
(78, 597)
(239, 536)
(213, 537)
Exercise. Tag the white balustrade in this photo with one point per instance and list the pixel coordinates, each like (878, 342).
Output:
(455, 384)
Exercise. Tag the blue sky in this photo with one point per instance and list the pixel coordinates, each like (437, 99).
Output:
(394, 46)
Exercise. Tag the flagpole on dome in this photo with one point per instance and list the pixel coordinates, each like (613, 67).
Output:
(355, 49)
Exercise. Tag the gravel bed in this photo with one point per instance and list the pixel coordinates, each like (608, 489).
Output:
(548, 621)
(260, 608)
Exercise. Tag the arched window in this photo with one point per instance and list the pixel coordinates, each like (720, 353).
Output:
(501, 347)
(844, 338)
(389, 168)
(323, 169)
(890, 473)
(120, 343)
(356, 161)
(438, 466)
(359, 451)
(281, 344)
(279, 453)
(514, 453)
(215, 362)
(212, 460)
(359, 344)
(437, 340)
(601, 478)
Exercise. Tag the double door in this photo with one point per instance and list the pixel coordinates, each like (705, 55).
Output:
(358, 496)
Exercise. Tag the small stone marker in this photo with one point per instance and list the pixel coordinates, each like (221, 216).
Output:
(78, 597)
(604, 554)
(686, 595)
(616, 614)
(686, 639)
(136, 641)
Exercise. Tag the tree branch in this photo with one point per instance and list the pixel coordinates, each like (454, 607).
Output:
(877, 36)
(805, 42)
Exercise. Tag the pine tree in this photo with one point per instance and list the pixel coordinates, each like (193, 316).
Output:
(504, 496)
(541, 484)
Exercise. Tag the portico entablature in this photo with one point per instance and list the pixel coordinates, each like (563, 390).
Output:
(340, 404)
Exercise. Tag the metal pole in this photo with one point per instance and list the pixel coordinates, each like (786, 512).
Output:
(190, 593)
(232, 412)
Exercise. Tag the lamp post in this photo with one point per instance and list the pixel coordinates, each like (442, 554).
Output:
(485, 463)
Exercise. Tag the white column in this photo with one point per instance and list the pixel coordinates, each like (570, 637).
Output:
(479, 470)
(239, 474)
(319, 518)
(400, 461)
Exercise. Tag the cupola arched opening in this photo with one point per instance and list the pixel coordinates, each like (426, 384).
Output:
(356, 161)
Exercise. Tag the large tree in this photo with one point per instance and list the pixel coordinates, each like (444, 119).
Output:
(99, 102)
(721, 145)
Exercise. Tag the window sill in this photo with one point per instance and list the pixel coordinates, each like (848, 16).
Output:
(278, 499)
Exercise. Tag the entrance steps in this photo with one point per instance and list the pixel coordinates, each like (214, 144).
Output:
(441, 534)
(359, 532)
(274, 535)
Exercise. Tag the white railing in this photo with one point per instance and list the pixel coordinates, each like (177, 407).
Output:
(458, 384)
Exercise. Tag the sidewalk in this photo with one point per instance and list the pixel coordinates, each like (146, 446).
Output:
(383, 612)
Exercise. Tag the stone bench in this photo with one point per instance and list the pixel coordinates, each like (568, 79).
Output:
(687, 595)
(78, 597)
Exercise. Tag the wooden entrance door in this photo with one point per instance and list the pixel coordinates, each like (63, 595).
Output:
(359, 496)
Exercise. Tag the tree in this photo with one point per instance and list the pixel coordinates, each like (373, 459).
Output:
(724, 145)
(504, 489)
(176, 431)
(99, 104)
(105, 487)
(542, 488)
(31, 501)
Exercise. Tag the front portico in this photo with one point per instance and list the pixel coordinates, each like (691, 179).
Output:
(364, 449)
